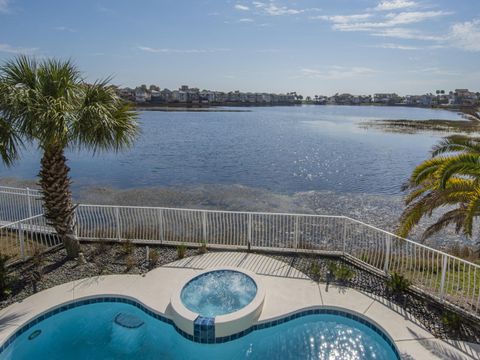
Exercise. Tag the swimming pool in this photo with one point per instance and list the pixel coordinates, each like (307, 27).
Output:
(96, 331)
(218, 292)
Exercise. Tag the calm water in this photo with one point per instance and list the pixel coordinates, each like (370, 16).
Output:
(283, 149)
(89, 332)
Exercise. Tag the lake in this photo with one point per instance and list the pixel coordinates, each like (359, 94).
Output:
(281, 149)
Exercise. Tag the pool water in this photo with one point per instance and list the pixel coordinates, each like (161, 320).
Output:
(218, 292)
(90, 332)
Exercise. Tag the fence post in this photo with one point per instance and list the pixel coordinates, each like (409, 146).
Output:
(344, 235)
(444, 273)
(295, 234)
(75, 222)
(21, 238)
(249, 231)
(117, 223)
(388, 245)
(161, 227)
(29, 203)
(204, 225)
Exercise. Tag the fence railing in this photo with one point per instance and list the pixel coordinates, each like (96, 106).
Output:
(22, 239)
(434, 272)
(17, 204)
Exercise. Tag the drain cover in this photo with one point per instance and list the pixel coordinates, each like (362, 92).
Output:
(128, 321)
(34, 334)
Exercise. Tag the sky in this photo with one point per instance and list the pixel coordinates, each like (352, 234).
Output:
(313, 47)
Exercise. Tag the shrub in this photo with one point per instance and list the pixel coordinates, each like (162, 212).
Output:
(203, 248)
(315, 272)
(332, 267)
(130, 262)
(100, 248)
(37, 256)
(343, 273)
(37, 262)
(181, 250)
(452, 321)
(128, 247)
(153, 256)
(397, 284)
(4, 277)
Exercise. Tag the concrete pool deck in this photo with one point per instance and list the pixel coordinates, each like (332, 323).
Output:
(287, 291)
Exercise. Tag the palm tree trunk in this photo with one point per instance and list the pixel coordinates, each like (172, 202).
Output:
(57, 197)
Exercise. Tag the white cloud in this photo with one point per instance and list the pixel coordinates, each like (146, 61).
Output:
(4, 6)
(434, 71)
(179, 51)
(395, 5)
(64, 28)
(414, 17)
(17, 50)
(337, 72)
(396, 46)
(245, 20)
(342, 19)
(390, 20)
(466, 36)
(241, 7)
(407, 34)
(274, 10)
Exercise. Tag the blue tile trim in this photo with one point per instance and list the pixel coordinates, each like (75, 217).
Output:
(204, 330)
(207, 325)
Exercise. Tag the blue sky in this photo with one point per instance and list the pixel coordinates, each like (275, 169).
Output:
(312, 47)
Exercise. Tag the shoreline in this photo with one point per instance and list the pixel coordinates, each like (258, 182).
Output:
(380, 210)
(464, 110)
(187, 109)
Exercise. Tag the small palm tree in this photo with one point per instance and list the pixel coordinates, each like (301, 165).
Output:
(49, 104)
(451, 178)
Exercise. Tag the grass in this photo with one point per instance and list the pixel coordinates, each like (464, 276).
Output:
(426, 275)
(10, 246)
(470, 125)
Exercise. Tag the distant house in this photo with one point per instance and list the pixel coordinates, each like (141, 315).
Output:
(465, 97)
(179, 96)
(142, 95)
(126, 94)
(166, 95)
(207, 96)
(156, 97)
(386, 98)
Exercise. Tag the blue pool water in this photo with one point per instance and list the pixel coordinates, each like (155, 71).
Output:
(218, 292)
(90, 332)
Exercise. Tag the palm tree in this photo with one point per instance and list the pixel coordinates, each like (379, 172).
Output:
(49, 104)
(450, 178)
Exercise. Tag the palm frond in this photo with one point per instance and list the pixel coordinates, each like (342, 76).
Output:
(467, 164)
(104, 121)
(10, 143)
(457, 143)
(455, 217)
(472, 210)
(425, 171)
(410, 217)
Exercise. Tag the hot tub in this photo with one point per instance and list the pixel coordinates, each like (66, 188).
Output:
(222, 301)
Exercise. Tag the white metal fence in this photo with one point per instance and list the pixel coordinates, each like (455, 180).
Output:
(439, 274)
(17, 204)
(22, 239)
